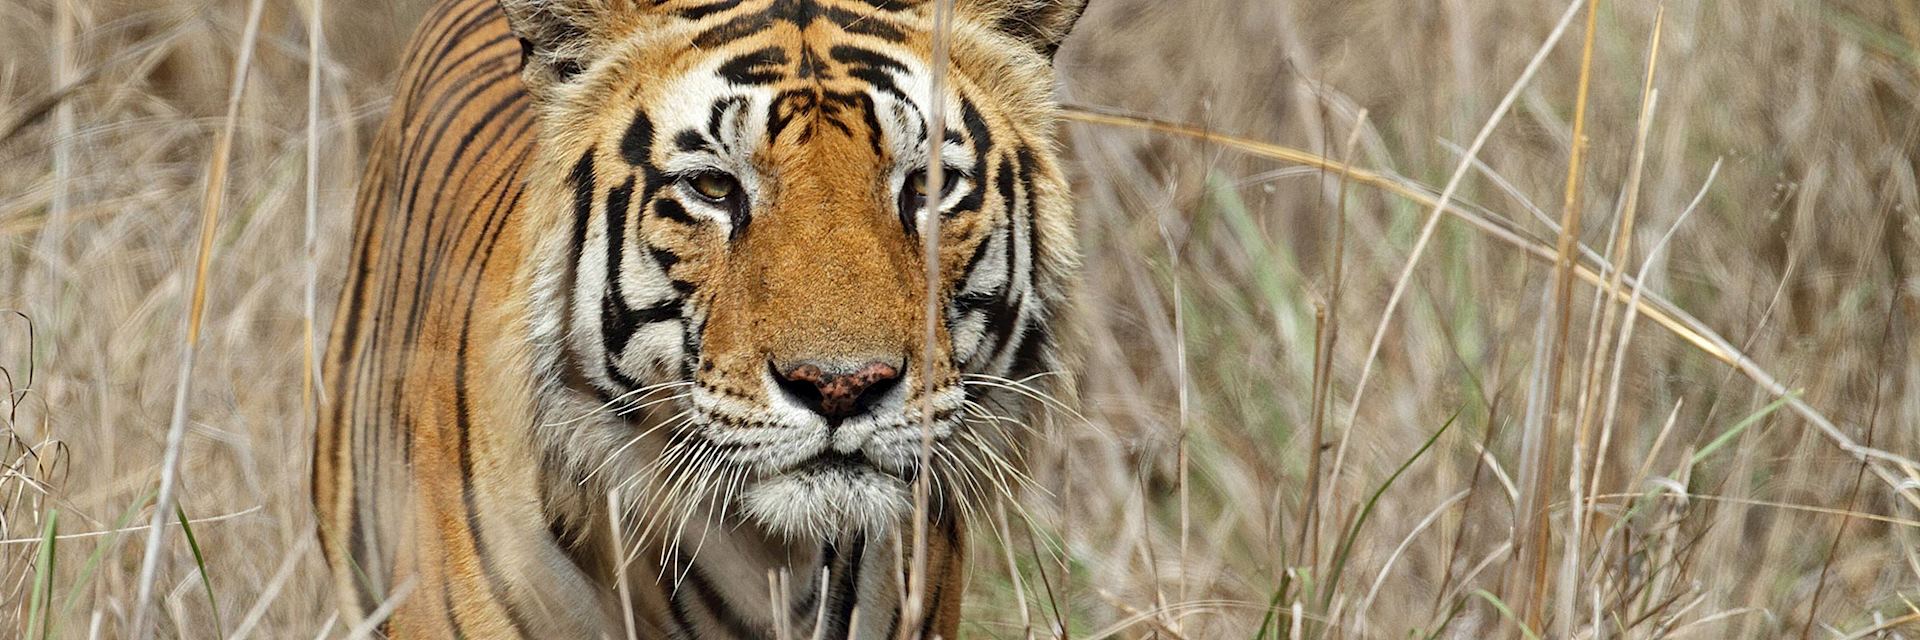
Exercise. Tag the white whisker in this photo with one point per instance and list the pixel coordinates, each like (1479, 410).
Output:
(631, 441)
(642, 391)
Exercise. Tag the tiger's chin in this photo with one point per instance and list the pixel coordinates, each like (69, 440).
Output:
(829, 498)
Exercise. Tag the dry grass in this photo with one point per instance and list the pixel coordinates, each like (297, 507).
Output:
(1233, 289)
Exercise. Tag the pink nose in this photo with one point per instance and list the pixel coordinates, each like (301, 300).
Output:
(837, 395)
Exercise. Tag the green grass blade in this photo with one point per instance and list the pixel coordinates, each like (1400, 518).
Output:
(85, 576)
(1507, 612)
(1353, 533)
(200, 561)
(1273, 606)
(40, 610)
(1739, 427)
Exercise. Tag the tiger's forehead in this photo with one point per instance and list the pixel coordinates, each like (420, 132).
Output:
(732, 20)
(781, 72)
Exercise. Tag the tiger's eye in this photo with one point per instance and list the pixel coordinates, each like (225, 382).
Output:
(917, 190)
(714, 185)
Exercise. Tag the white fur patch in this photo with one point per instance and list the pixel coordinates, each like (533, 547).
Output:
(820, 501)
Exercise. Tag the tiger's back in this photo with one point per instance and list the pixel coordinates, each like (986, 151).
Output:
(431, 243)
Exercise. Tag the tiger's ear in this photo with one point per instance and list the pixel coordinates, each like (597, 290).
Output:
(558, 38)
(1043, 24)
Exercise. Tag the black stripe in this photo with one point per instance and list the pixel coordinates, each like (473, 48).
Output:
(871, 66)
(665, 258)
(950, 528)
(1002, 318)
(755, 68)
(672, 210)
(463, 411)
(892, 5)
(982, 150)
(662, 312)
(689, 345)
(1003, 182)
(718, 112)
(970, 300)
(811, 66)
(788, 106)
(682, 618)
(446, 604)
(636, 145)
(702, 11)
(582, 180)
(690, 141)
(731, 30)
(1032, 211)
(717, 606)
(846, 590)
(407, 243)
(866, 25)
(870, 117)
(1027, 358)
(616, 325)
(801, 14)
(803, 607)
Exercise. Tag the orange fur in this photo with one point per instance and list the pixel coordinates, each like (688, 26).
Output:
(468, 415)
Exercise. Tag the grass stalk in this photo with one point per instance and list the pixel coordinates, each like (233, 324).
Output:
(1859, 478)
(1345, 549)
(196, 307)
(40, 604)
(1439, 206)
(200, 563)
(51, 244)
(1013, 568)
(1580, 470)
(275, 584)
(1184, 428)
(310, 353)
(1326, 340)
(1540, 468)
(1525, 629)
(915, 608)
(1887, 465)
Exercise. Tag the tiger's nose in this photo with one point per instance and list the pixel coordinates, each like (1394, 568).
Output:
(837, 393)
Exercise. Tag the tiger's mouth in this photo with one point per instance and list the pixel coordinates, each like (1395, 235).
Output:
(831, 460)
(829, 494)
(801, 477)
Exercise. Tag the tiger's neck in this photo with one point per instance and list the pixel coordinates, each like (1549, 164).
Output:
(733, 580)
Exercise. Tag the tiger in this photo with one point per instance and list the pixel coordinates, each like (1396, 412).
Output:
(635, 339)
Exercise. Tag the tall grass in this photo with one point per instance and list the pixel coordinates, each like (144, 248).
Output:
(1268, 191)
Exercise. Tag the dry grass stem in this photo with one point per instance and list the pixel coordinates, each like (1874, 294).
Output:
(214, 201)
(1653, 306)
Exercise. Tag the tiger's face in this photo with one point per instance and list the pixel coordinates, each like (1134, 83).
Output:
(731, 294)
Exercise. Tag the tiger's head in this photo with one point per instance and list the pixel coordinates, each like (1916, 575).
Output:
(729, 291)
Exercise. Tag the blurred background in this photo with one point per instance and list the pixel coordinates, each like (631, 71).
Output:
(1733, 460)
